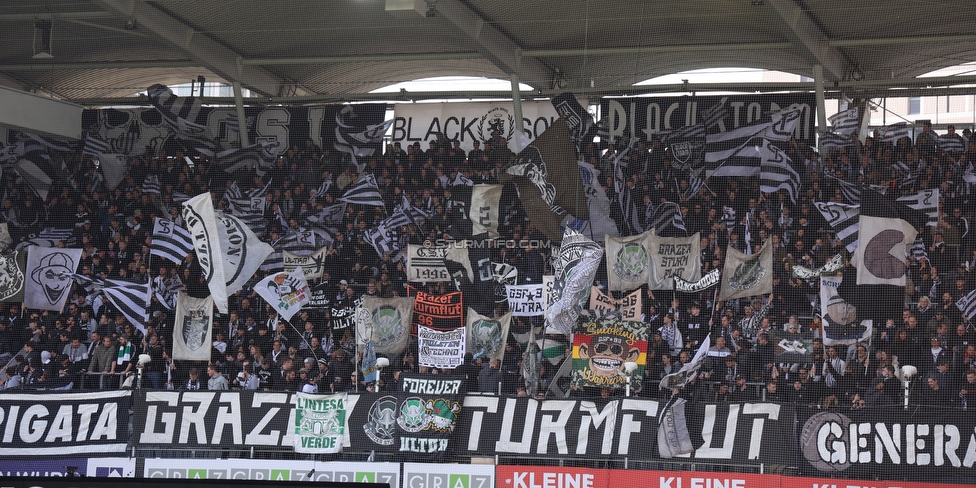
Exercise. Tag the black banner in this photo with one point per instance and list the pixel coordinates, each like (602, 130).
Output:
(190, 419)
(644, 116)
(740, 433)
(129, 131)
(921, 443)
(321, 296)
(57, 424)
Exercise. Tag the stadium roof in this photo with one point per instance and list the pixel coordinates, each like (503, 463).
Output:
(319, 49)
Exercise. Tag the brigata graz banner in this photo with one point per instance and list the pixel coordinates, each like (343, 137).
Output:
(922, 443)
(644, 116)
(56, 424)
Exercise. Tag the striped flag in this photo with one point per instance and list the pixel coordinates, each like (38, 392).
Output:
(851, 191)
(843, 219)
(260, 156)
(830, 140)
(130, 299)
(322, 190)
(151, 185)
(180, 114)
(260, 192)
(274, 263)
(695, 184)
(918, 250)
(778, 173)
(892, 133)
(383, 239)
(667, 220)
(739, 152)
(233, 124)
(356, 140)
(364, 192)
(845, 123)
(170, 241)
(926, 201)
(952, 144)
(728, 217)
(900, 168)
(95, 146)
(329, 215)
(32, 162)
(630, 209)
(967, 305)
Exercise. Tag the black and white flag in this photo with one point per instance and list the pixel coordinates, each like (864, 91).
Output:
(130, 299)
(666, 220)
(49, 276)
(331, 215)
(886, 228)
(967, 305)
(180, 114)
(13, 267)
(830, 140)
(170, 241)
(894, 132)
(778, 173)
(952, 144)
(354, 138)
(927, 201)
(226, 249)
(843, 219)
(851, 191)
(364, 192)
(845, 123)
(193, 328)
(151, 185)
(739, 152)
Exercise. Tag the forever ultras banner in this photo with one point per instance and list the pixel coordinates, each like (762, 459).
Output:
(320, 423)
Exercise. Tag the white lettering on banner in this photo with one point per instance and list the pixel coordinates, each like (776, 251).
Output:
(212, 418)
(553, 480)
(834, 442)
(431, 387)
(468, 122)
(526, 300)
(695, 482)
(96, 422)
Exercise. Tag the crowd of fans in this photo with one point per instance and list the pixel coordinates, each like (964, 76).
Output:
(90, 344)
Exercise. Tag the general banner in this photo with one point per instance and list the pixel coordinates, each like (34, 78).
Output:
(643, 117)
(468, 122)
(921, 443)
(320, 297)
(45, 424)
(603, 347)
(440, 312)
(426, 264)
(526, 300)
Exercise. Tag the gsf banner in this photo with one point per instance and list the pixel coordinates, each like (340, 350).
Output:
(91, 423)
(468, 122)
(643, 117)
(131, 131)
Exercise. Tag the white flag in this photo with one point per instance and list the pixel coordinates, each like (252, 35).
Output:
(193, 328)
(227, 250)
(49, 271)
(484, 209)
(285, 292)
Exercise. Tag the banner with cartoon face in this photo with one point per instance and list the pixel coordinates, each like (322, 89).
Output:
(428, 409)
(49, 271)
(603, 347)
(285, 292)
